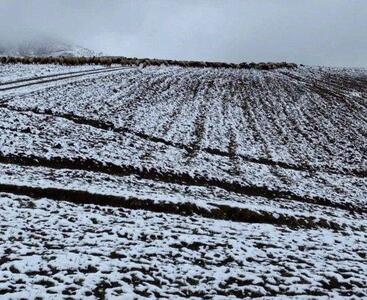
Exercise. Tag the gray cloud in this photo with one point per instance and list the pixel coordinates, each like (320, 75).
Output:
(327, 32)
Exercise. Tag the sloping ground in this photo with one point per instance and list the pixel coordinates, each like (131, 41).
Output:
(43, 46)
(189, 182)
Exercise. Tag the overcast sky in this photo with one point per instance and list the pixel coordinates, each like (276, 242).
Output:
(316, 32)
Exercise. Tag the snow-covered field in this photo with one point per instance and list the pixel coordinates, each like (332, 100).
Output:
(183, 182)
(20, 71)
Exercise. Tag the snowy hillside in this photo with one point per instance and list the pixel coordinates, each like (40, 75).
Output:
(43, 46)
(174, 182)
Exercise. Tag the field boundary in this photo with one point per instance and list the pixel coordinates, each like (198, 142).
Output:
(109, 60)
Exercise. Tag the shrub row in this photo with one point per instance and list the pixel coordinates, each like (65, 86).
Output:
(109, 60)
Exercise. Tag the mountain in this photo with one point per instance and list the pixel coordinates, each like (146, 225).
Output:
(176, 182)
(43, 46)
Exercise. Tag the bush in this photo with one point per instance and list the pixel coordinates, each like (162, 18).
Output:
(108, 61)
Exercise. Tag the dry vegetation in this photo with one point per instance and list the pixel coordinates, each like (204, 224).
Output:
(109, 60)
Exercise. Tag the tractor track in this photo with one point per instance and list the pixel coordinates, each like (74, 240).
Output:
(55, 77)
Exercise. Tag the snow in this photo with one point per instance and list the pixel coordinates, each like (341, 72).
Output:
(21, 71)
(173, 182)
(80, 246)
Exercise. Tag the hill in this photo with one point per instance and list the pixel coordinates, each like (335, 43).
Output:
(180, 182)
(43, 46)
